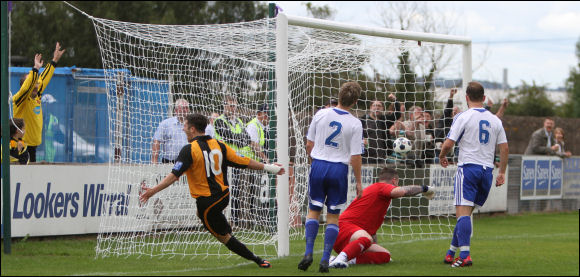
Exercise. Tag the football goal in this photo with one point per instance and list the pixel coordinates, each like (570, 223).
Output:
(295, 66)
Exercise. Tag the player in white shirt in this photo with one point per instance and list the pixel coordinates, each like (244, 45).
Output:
(334, 140)
(477, 132)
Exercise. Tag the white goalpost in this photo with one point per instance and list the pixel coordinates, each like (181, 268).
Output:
(295, 65)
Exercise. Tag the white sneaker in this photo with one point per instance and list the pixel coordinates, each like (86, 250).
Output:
(338, 264)
(331, 259)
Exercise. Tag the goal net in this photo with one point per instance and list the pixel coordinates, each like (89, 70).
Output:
(150, 67)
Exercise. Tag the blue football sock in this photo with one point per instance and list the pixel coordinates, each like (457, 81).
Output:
(454, 243)
(311, 231)
(329, 238)
(464, 235)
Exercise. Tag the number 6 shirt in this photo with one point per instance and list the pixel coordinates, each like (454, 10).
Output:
(477, 131)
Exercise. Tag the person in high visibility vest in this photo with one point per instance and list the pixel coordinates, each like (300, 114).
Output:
(257, 128)
(230, 129)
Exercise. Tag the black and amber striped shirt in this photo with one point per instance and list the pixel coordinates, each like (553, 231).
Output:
(205, 162)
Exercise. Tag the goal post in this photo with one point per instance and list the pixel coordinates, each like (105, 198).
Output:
(205, 63)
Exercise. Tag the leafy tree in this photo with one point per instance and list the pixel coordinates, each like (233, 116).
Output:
(530, 100)
(572, 107)
(37, 25)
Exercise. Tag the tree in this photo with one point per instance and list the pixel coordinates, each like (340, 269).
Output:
(417, 16)
(37, 25)
(572, 107)
(420, 65)
(530, 100)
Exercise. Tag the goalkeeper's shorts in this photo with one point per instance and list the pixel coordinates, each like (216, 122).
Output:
(345, 232)
(210, 211)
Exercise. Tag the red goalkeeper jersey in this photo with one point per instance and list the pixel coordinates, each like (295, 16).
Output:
(369, 211)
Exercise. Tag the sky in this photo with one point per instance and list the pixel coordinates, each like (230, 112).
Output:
(534, 41)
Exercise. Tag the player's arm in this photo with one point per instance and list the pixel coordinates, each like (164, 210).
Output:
(356, 163)
(29, 83)
(155, 151)
(184, 161)
(244, 162)
(413, 190)
(48, 71)
(445, 148)
(503, 159)
(356, 158)
(254, 142)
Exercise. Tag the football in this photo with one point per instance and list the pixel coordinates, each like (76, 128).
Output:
(402, 145)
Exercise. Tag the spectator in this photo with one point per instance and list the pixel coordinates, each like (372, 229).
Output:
(18, 150)
(559, 139)
(27, 101)
(209, 130)
(257, 129)
(542, 141)
(376, 125)
(415, 131)
(169, 137)
(502, 108)
(429, 138)
(229, 129)
(443, 124)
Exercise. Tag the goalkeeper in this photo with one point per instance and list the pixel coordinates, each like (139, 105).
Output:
(205, 162)
(359, 223)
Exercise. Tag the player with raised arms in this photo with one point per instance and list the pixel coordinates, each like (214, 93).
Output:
(205, 162)
(364, 216)
(334, 140)
(477, 132)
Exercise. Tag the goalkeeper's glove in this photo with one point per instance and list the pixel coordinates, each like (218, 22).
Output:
(428, 192)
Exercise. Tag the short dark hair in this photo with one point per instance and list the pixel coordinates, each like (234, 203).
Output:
(15, 124)
(199, 121)
(349, 93)
(475, 91)
(387, 174)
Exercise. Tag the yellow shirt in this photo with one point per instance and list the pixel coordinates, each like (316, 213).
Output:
(30, 109)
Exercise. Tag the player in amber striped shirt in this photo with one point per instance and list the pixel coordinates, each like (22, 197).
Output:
(205, 162)
(27, 102)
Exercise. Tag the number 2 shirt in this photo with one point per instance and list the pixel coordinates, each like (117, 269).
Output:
(337, 135)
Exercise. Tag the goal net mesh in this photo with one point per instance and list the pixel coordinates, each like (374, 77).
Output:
(149, 67)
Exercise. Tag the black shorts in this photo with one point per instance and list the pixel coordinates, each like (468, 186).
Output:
(210, 211)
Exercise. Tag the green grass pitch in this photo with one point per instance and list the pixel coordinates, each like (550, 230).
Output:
(529, 244)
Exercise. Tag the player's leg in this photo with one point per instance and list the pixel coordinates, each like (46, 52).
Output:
(336, 189)
(359, 242)
(210, 212)
(375, 254)
(465, 198)
(317, 196)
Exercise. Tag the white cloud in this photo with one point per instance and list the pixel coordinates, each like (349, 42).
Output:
(567, 22)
